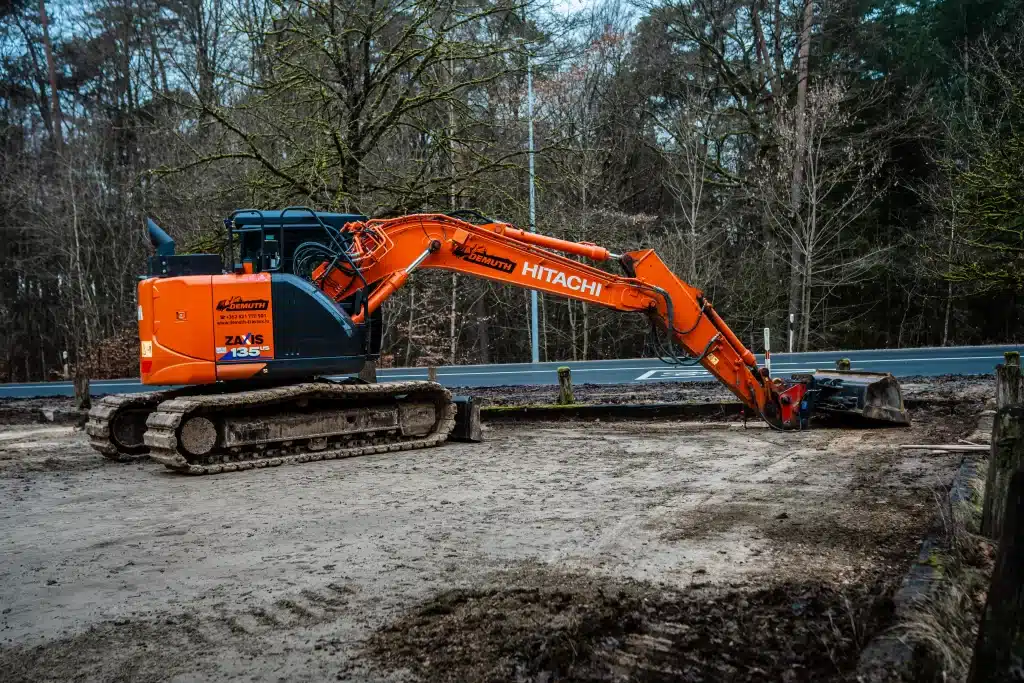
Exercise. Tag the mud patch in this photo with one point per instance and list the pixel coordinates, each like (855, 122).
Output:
(76, 463)
(887, 526)
(534, 625)
(124, 650)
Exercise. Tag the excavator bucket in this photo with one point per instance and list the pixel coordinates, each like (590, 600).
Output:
(872, 396)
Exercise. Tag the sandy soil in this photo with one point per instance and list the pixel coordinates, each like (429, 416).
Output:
(570, 551)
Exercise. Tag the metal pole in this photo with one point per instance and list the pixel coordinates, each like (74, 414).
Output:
(768, 350)
(534, 347)
(791, 317)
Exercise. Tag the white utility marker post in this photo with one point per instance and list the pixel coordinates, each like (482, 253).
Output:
(791, 318)
(768, 350)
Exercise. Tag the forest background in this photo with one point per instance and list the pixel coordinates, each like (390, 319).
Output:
(858, 164)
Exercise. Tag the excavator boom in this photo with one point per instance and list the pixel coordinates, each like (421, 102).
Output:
(388, 251)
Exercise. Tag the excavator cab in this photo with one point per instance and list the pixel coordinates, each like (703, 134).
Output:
(263, 319)
(270, 239)
(294, 241)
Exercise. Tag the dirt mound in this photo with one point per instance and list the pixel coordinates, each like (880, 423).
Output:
(537, 626)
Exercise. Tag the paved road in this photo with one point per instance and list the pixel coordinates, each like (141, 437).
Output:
(961, 360)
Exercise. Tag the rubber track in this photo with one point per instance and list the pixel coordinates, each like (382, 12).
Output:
(164, 446)
(102, 414)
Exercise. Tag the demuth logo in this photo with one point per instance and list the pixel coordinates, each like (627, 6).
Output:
(557, 277)
(479, 255)
(237, 303)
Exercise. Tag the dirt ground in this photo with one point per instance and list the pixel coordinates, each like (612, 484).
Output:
(653, 551)
(955, 388)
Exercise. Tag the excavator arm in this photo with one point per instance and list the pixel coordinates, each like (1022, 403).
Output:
(382, 254)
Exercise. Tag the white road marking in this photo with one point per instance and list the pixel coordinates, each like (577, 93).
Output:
(671, 374)
(658, 375)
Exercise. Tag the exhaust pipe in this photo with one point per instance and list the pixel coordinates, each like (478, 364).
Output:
(161, 241)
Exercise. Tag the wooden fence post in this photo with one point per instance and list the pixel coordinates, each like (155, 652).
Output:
(81, 383)
(1007, 456)
(369, 372)
(1008, 380)
(565, 397)
(999, 651)
(431, 374)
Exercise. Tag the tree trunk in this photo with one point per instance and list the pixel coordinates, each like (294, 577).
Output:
(452, 338)
(51, 67)
(483, 331)
(805, 299)
(799, 152)
(82, 399)
(412, 313)
(999, 652)
(1007, 456)
(949, 286)
(586, 329)
(544, 326)
(572, 326)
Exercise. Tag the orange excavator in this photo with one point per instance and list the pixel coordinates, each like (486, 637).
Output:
(250, 349)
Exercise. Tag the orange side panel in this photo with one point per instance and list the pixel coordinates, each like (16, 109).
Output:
(182, 320)
(173, 368)
(176, 331)
(243, 318)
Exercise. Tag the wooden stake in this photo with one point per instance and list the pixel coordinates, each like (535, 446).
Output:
(565, 397)
(999, 650)
(1008, 380)
(369, 372)
(1007, 457)
(82, 399)
(432, 373)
